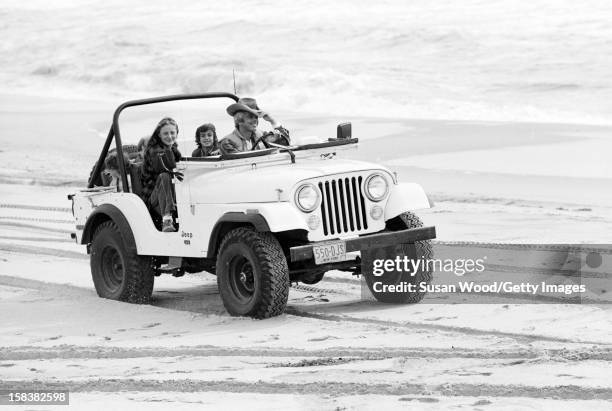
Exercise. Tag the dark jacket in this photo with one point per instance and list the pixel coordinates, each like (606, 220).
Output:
(205, 152)
(157, 159)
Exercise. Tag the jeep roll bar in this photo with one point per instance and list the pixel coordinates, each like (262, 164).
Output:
(114, 130)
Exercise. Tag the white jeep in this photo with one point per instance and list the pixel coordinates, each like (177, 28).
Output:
(259, 220)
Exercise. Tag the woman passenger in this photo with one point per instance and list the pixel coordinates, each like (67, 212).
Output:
(206, 140)
(161, 155)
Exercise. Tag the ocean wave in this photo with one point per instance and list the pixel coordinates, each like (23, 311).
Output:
(325, 91)
(130, 44)
(423, 38)
(46, 70)
(42, 181)
(544, 86)
(506, 201)
(400, 59)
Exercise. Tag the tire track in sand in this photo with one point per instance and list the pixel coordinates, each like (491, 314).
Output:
(102, 352)
(438, 327)
(565, 392)
(193, 305)
(292, 310)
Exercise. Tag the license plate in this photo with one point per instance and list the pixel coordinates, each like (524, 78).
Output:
(329, 252)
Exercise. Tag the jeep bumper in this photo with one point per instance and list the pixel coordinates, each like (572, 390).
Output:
(304, 252)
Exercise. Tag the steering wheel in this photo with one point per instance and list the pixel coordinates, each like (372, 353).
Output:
(261, 139)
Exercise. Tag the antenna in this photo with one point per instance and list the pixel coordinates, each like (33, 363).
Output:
(234, 76)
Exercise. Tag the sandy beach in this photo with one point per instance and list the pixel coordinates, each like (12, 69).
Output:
(332, 349)
(500, 110)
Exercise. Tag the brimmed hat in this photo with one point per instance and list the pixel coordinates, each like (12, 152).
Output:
(247, 104)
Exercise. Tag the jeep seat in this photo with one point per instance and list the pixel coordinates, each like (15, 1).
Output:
(135, 171)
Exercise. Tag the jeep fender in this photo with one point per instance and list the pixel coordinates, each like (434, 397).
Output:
(282, 216)
(273, 217)
(406, 197)
(129, 213)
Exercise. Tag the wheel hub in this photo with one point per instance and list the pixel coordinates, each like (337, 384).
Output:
(112, 268)
(242, 279)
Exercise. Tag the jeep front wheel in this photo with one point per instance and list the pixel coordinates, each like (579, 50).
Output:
(384, 287)
(117, 271)
(252, 274)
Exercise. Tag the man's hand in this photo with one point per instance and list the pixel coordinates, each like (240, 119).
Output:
(266, 116)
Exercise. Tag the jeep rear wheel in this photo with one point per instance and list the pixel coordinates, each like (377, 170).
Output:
(252, 274)
(420, 250)
(117, 271)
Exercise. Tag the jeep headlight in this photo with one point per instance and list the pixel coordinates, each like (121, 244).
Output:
(307, 198)
(376, 187)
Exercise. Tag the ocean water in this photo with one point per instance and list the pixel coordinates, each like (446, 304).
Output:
(543, 61)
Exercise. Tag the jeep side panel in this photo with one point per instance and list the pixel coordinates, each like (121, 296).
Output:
(148, 240)
(196, 222)
(203, 219)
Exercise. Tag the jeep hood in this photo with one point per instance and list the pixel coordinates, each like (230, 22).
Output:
(263, 182)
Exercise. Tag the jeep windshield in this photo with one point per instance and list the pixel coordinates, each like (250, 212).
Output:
(137, 119)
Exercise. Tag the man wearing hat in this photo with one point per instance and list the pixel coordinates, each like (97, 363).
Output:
(246, 115)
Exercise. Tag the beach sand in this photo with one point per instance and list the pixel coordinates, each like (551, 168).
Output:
(332, 348)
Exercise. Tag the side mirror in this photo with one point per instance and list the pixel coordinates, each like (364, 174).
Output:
(344, 131)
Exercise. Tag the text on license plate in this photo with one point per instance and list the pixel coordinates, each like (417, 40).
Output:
(330, 252)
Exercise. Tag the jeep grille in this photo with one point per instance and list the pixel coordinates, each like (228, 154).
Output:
(343, 205)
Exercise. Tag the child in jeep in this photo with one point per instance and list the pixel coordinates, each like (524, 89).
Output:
(206, 141)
